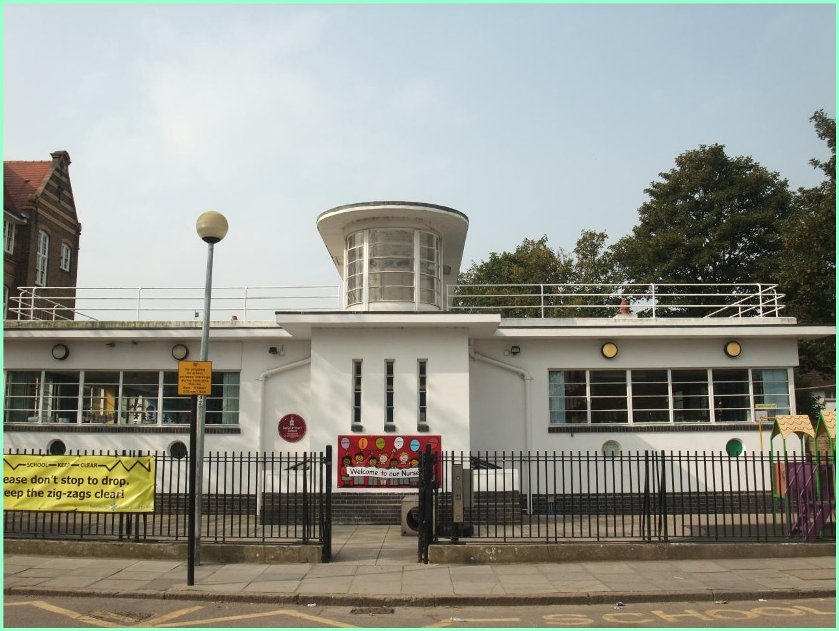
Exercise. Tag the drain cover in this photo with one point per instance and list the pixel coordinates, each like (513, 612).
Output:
(371, 611)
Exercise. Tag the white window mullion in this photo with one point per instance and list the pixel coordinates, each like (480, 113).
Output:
(417, 274)
(588, 397)
(712, 416)
(791, 390)
(365, 281)
(120, 402)
(159, 419)
(80, 403)
(629, 410)
(40, 410)
(671, 410)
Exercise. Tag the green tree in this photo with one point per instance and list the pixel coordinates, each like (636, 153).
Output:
(807, 269)
(534, 279)
(712, 219)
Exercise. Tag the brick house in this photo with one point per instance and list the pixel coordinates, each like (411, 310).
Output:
(41, 232)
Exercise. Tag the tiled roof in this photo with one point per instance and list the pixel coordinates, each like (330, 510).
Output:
(786, 424)
(828, 423)
(22, 178)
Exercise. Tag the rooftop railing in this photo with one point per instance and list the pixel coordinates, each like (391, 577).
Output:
(755, 300)
(249, 303)
(260, 303)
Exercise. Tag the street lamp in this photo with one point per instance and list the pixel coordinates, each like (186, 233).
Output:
(212, 228)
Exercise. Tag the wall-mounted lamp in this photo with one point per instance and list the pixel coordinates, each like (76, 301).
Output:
(273, 350)
(515, 350)
(180, 352)
(609, 350)
(732, 349)
(60, 352)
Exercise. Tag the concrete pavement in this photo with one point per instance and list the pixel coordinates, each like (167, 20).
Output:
(376, 566)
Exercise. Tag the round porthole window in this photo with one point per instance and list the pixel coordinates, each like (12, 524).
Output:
(609, 350)
(57, 448)
(611, 448)
(178, 450)
(734, 447)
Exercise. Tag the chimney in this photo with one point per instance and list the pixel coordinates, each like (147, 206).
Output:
(61, 159)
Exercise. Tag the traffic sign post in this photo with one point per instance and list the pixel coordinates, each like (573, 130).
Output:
(194, 380)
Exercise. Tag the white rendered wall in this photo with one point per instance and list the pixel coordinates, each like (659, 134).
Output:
(333, 352)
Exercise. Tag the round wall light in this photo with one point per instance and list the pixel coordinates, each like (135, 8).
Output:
(609, 350)
(60, 352)
(180, 352)
(732, 349)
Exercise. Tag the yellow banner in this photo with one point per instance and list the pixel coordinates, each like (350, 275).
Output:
(119, 484)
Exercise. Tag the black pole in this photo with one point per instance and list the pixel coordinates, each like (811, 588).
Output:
(193, 470)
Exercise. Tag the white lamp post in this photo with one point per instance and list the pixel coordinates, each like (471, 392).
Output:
(212, 228)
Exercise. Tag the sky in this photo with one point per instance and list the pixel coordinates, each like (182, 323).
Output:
(530, 119)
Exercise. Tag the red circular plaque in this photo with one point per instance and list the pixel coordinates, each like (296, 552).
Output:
(292, 427)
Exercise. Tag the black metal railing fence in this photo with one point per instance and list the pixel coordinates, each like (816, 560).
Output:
(639, 496)
(247, 497)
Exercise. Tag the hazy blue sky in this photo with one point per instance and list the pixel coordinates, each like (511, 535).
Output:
(530, 119)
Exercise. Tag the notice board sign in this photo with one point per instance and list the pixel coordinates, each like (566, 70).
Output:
(377, 461)
(195, 378)
(112, 484)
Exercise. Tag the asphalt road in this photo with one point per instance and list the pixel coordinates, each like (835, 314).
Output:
(88, 612)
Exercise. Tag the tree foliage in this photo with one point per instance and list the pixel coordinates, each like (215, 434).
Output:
(712, 219)
(807, 269)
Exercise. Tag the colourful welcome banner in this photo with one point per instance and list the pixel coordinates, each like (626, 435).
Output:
(383, 461)
(119, 484)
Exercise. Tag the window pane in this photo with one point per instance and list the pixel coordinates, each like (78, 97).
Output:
(731, 396)
(690, 396)
(21, 401)
(608, 396)
(223, 402)
(567, 399)
(61, 397)
(100, 397)
(139, 397)
(771, 391)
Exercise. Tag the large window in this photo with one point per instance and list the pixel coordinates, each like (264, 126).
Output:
(731, 395)
(42, 258)
(650, 396)
(608, 396)
(567, 399)
(110, 397)
(666, 396)
(690, 396)
(393, 265)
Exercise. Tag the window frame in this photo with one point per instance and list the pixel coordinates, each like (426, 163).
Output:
(66, 257)
(9, 235)
(42, 257)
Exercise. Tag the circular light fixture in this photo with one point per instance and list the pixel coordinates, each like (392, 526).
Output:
(180, 352)
(60, 352)
(732, 349)
(609, 350)
(211, 226)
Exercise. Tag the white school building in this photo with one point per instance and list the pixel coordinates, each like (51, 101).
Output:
(398, 352)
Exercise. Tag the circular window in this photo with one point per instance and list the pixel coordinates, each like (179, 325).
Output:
(57, 448)
(178, 450)
(734, 447)
(611, 448)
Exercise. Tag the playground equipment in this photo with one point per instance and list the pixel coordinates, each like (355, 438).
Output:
(804, 485)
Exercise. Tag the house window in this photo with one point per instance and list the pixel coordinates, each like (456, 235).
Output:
(391, 265)
(356, 391)
(388, 391)
(9, 229)
(42, 258)
(739, 395)
(731, 396)
(567, 396)
(422, 389)
(355, 268)
(608, 396)
(771, 391)
(66, 257)
(109, 397)
(650, 396)
(429, 268)
(690, 396)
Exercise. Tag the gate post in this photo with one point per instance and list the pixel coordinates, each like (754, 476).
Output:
(326, 506)
(425, 504)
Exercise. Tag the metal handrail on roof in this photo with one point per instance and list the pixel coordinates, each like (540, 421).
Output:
(698, 300)
(260, 303)
(247, 303)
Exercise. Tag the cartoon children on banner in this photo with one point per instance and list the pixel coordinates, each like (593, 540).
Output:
(381, 461)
